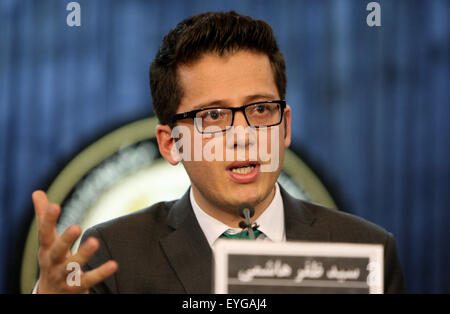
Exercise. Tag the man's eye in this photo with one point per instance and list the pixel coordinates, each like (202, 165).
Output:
(214, 114)
(261, 108)
(211, 115)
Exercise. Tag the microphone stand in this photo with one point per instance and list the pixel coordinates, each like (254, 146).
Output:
(246, 211)
(248, 222)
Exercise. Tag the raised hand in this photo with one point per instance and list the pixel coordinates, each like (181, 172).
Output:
(54, 253)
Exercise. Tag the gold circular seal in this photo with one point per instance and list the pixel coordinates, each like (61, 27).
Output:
(121, 172)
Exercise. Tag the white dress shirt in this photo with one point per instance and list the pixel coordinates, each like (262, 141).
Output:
(271, 221)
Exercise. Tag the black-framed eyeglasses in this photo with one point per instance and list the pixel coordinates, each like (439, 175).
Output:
(221, 119)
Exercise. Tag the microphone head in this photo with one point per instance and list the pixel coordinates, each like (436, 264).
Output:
(243, 225)
(244, 206)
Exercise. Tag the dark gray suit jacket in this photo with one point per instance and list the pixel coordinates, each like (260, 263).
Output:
(162, 249)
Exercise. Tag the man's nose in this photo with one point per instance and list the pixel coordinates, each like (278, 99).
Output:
(240, 134)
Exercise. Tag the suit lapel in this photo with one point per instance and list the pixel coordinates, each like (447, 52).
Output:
(190, 255)
(299, 219)
(187, 249)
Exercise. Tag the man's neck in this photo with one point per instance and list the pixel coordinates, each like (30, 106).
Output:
(230, 218)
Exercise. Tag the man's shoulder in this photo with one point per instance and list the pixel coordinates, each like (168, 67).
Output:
(345, 227)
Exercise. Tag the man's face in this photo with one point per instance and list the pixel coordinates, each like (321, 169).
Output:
(232, 80)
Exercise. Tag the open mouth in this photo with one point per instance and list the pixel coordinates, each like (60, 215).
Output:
(243, 171)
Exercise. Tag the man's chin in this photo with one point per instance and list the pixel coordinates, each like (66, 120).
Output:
(244, 194)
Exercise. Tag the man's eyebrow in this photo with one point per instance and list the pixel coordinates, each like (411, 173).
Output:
(215, 103)
(248, 99)
(261, 97)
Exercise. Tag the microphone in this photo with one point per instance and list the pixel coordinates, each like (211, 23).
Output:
(247, 211)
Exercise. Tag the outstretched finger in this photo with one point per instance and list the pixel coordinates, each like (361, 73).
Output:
(62, 245)
(40, 202)
(86, 250)
(97, 275)
(47, 226)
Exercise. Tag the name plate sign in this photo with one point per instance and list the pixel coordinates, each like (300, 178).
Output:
(297, 267)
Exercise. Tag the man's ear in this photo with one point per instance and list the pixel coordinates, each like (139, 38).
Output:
(287, 126)
(166, 144)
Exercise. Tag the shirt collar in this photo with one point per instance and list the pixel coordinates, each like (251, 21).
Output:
(271, 221)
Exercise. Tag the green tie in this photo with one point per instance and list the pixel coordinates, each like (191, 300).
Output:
(240, 235)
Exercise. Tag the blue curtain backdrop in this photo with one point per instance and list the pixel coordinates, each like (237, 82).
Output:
(370, 105)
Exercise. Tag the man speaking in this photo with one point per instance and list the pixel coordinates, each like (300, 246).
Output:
(218, 84)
